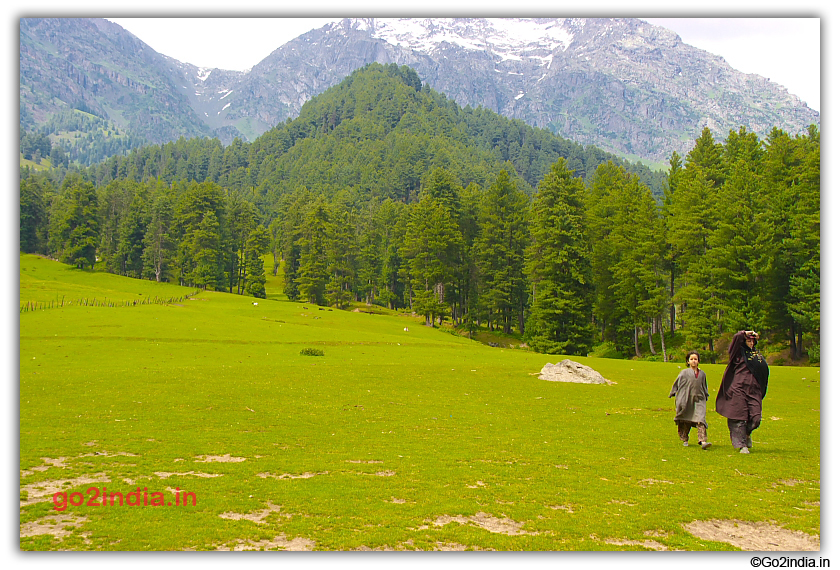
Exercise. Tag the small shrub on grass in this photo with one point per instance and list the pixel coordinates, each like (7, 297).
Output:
(311, 352)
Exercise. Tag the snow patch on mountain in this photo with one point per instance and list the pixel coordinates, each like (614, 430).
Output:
(504, 38)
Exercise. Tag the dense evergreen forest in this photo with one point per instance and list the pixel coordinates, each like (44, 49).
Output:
(385, 192)
(75, 137)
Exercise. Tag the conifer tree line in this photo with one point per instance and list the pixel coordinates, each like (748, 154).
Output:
(384, 211)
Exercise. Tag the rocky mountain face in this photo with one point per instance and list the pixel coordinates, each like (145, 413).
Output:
(95, 66)
(623, 85)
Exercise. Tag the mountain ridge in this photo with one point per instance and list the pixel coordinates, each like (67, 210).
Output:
(623, 85)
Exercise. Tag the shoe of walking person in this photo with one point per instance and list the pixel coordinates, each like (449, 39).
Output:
(744, 450)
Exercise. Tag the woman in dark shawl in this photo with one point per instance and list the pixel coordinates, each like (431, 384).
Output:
(742, 389)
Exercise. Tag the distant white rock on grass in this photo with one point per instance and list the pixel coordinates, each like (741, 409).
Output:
(571, 371)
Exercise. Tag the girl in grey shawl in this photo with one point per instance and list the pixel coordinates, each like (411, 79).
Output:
(691, 394)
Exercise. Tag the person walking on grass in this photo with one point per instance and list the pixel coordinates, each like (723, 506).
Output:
(742, 389)
(691, 392)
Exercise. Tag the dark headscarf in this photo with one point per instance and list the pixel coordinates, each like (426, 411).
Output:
(757, 366)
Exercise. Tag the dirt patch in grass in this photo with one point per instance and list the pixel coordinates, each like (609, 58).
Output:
(165, 474)
(409, 545)
(104, 453)
(360, 461)
(279, 542)
(43, 491)
(759, 536)
(305, 475)
(59, 526)
(48, 462)
(257, 517)
(487, 522)
(568, 508)
(649, 544)
(648, 482)
(789, 482)
(449, 547)
(226, 458)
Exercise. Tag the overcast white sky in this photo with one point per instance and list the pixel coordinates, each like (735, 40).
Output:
(786, 50)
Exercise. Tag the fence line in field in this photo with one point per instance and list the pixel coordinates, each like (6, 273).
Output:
(101, 302)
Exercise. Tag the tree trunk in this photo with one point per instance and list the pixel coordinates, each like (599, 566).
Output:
(636, 341)
(662, 340)
(650, 337)
(799, 343)
(792, 339)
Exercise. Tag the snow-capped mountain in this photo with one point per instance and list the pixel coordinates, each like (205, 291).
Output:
(504, 38)
(624, 85)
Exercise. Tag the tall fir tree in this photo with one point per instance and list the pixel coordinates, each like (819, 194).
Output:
(430, 249)
(158, 245)
(204, 243)
(557, 262)
(257, 245)
(500, 253)
(74, 223)
(33, 214)
(313, 274)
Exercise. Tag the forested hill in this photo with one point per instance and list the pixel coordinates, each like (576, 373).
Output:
(376, 135)
(383, 191)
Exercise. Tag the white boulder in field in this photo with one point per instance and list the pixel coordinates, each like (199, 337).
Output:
(571, 371)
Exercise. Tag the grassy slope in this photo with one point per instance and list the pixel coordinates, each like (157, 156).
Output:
(390, 429)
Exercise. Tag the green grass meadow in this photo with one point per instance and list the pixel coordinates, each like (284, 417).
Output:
(392, 439)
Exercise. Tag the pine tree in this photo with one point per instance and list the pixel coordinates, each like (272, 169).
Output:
(204, 244)
(601, 213)
(500, 251)
(194, 203)
(690, 233)
(158, 245)
(132, 230)
(557, 262)
(33, 215)
(391, 219)
(628, 256)
(241, 221)
(256, 246)
(791, 247)
(74, 224)
(313, 275)
(430, 249)
(341, 254)
(369, 255)
(734, 250)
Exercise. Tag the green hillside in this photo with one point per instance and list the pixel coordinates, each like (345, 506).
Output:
(400, 437)
(384, 192)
